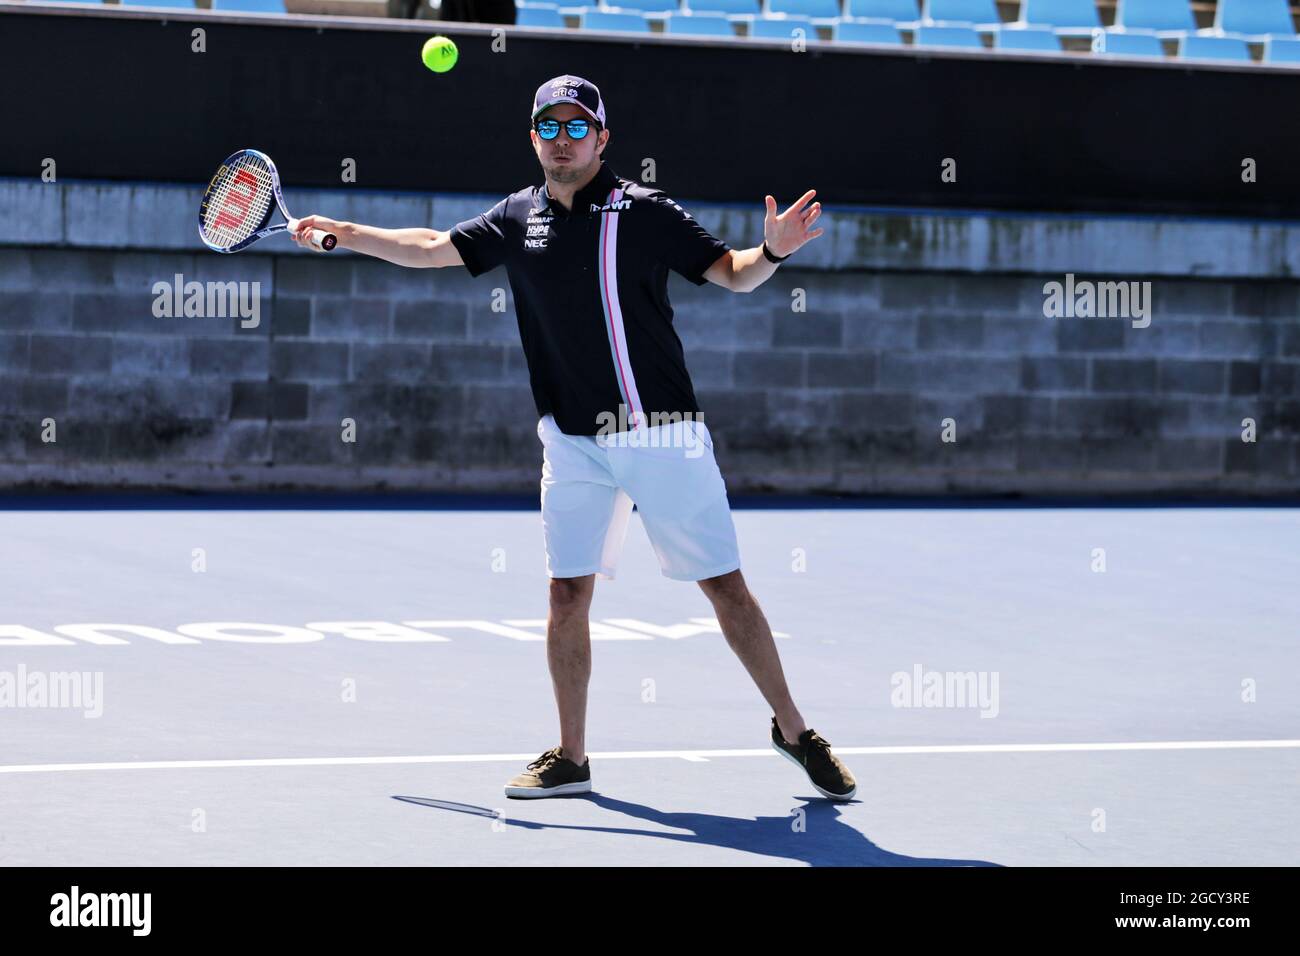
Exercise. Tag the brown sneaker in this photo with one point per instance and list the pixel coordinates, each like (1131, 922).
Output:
(551, 775)
(813, 755)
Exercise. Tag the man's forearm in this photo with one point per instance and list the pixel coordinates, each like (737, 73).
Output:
(404, 247)
(750, 269)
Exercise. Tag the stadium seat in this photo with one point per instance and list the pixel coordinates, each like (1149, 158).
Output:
(1282, 50)
(249, 6)
(979, 12)
(1155, 15)
(621, 22)
(699, 24)
(898, 11)
(748, 8)
(1027, 39)
(1195, 47)
(1069, 16)
(1254, 18)
(782, 29)
(814, 9)
(539, 16)
(643, 6)
(951, 36)
(1127, 43)
(851, 31)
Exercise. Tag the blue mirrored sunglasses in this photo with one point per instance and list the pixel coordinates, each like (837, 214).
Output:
(549, 128)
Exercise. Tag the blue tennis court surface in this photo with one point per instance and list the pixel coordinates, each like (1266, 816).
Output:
(355, 687)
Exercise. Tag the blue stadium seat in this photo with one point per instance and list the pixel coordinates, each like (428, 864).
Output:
(1282, 50)
(782, 29)
(1254, 18)
(1127, 43)
(960, 11)
(815, 9)
(1155, 15)
(622, 22)
(1213, 48)
(249, 6)
(851, 31)
(899, 11)
(699, 24)
(539, 17)
(1061, 14)
(1032, 39)
(727, 7)
(953, 36)
(642, 6)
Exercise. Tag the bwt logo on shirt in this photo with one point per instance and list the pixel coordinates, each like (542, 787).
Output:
(102, 909)
(612, 206)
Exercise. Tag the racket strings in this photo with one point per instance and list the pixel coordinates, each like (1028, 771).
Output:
(237, 201)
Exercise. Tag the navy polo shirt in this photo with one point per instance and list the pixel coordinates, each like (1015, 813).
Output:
(591, 295)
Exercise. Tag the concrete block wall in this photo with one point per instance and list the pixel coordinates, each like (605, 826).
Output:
(908, 319)
(855, 398)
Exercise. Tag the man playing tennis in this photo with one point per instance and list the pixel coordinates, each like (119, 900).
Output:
(587, 256)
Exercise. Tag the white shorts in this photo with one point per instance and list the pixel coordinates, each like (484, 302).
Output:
(590, 482)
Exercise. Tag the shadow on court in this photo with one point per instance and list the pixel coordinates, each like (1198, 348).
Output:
(825, 840)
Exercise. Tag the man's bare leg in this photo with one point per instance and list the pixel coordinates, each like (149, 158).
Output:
(568, 653)
(747, 632)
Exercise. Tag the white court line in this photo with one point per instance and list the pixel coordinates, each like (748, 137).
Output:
(691, 755)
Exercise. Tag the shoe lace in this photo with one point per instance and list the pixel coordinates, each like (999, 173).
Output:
(818, 747)
(546, 759)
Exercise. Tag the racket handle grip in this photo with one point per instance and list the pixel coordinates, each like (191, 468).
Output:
(321, 240)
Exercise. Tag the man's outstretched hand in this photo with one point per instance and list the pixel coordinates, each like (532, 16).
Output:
(301, 229)
(788, 231)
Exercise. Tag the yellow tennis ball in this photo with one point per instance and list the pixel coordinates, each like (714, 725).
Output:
(439, 54)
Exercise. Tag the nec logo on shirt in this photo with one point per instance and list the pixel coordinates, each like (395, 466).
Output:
(622, 204)
(539, 228)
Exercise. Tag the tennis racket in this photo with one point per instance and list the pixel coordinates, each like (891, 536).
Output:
(237, 205)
